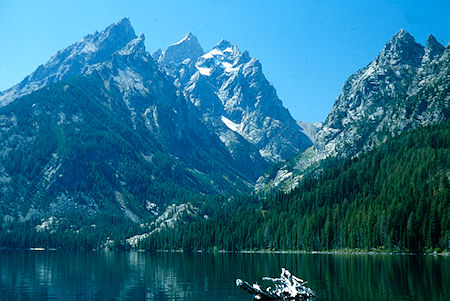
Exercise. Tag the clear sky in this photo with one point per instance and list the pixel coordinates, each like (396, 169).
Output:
(307, 48)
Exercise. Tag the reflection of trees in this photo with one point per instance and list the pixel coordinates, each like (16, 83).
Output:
(378, 277)
(181, 276)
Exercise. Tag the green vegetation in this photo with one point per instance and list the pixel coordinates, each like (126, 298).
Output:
(71, 146)
(70, 233)
(395, 197)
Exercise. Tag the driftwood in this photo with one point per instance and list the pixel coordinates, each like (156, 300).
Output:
(287, 287)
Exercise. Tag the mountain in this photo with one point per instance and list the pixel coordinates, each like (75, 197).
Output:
(110, 141)
(394, 198)
(106, 128)
(92, 49)
(178, 60)
(406, 86)
(99, 128)
(229, 88)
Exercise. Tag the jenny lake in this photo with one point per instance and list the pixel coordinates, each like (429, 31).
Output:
(64, 275)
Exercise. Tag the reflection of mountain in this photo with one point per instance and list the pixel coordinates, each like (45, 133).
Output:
(194, 277)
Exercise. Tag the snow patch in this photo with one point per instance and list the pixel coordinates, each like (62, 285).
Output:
(230, 124)
(204, 71)
(207, 56)
(89, 47)
(229, 67)
(186, 37)
(282, 175)
(216, 51)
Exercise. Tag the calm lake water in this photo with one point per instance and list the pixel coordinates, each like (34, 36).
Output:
(63, 275)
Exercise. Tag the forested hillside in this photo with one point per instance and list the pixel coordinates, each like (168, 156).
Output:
(395, 197)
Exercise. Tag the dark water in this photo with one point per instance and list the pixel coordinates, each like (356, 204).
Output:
(62, 275)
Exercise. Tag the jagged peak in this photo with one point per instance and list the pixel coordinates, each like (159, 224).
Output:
(433, 44)
(90, 50)
(186, 48)
(402, 48)
(188, 37)
(157, 54)
(433, 49)
(135, 45)
(244, 57)
(123, 24)
(403, 34)
(121, 30)
(225, 49)
(224, 44)
(402, 37)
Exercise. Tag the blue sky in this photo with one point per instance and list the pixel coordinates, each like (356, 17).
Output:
(308, 48)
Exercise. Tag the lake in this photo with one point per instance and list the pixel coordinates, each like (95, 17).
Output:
(64, 275)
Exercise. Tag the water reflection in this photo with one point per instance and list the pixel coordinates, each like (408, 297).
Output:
(179, 276)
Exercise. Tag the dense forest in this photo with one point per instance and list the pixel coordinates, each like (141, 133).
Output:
(395, 197)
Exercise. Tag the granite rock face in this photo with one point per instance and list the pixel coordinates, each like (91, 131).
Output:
(104, 126)
(229, 89)
(75, 59)
(406, 86)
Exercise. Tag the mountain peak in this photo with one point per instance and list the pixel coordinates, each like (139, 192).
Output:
(123, 23)
(403, 34)
(433, 49)
(402, 39)
(186, 48)
(188, 37)
(401, 49)
(223, 44)
(157, 54)
(120, 32)
(433, 44)
(72, 60)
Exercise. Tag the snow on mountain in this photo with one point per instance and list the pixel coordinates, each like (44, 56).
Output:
(230, 124)
(103, 107)
(228, 83)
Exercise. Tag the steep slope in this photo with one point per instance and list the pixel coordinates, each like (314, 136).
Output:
(178, 60)
(112, 134)
(230, 90)
(405, 87)
(395, 197)
(73, 60)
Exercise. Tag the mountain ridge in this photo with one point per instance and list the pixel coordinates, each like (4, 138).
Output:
(145, 124)
(404, 87)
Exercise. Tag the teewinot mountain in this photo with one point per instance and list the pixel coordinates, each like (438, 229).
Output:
(405, 87)
(104, 126)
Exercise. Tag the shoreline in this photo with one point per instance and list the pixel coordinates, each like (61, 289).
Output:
(336, 252)
(333, 252)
